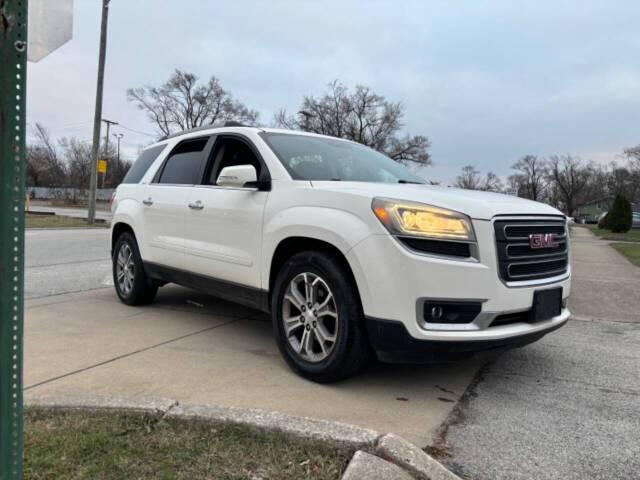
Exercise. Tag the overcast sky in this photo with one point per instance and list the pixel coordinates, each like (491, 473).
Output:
(487, 82)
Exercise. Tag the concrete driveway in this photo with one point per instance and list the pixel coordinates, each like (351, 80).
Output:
(199, 349)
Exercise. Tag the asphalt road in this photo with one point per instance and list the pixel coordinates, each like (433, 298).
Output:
(568, 406)
(64, 261)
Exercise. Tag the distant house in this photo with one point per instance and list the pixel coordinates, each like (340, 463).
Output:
(591, 211)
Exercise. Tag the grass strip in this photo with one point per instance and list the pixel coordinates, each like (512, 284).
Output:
(57, 221)
(108, 445)
(632, 235)
(629, 250)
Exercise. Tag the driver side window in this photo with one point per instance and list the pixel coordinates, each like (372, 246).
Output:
(229, 152)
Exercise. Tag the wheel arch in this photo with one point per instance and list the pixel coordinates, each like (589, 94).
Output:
(118, 229)
(292, 245)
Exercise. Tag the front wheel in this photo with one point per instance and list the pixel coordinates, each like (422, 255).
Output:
(131, 281)
(317, 318)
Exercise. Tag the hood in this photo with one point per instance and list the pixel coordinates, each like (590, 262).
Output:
(476, 204)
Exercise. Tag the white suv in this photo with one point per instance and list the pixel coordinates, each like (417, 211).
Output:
(349, 251)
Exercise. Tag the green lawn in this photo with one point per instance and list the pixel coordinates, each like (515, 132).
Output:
(56, 221)
(105, 445)
(629, 250)
(632, 235)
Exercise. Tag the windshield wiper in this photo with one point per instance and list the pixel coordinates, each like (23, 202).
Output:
(410, 181)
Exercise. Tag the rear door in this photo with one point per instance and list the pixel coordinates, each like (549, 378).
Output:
(224, 224)
(164, 202)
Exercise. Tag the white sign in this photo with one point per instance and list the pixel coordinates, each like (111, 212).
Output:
(50, 26)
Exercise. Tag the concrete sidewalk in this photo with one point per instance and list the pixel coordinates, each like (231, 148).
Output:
(198, 349)
(605, 285)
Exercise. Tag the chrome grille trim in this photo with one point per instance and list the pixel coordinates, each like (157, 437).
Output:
(508, 239)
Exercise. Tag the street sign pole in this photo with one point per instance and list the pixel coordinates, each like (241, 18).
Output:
(13, 72)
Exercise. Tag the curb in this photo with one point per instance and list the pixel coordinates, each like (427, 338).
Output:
(386, 457)
(298, 427)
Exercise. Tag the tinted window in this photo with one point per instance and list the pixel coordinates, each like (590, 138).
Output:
(142, 164)
(320, 158)
(184, 164)
(230, 152)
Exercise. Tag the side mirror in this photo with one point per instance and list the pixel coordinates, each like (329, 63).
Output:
(237, 176)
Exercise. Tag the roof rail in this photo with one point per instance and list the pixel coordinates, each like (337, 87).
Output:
(229, 123)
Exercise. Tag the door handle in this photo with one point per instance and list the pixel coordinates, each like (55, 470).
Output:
(197, 205)
(147, 201)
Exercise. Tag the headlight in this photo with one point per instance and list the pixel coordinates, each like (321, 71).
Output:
(419, 220)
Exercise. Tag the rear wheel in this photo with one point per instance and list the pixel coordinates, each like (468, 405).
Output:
(317, 318)
(131, 281)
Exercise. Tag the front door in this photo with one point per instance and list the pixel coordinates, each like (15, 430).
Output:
(223, 225)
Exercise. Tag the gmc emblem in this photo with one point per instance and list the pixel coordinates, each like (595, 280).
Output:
(543, 240)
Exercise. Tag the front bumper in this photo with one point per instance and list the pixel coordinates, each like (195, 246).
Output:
(394, 282)
(393, 344)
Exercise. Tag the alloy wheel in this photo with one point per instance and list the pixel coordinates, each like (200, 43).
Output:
(310, 317)
(125, 269)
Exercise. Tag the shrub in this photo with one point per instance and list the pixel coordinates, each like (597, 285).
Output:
(619, 219)
(602, 223)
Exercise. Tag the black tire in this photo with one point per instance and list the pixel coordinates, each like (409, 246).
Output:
(142, 290)
(350, 352)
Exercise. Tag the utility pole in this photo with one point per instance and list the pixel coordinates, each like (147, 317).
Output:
(106, 146)
(98, 114)
(118, 136)
(307, 116)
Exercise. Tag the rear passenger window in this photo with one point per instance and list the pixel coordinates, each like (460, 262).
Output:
(184, 163)
(142, 164)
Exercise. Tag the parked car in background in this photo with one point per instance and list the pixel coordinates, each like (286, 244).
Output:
(636, 220)
(350, 252)
(602, 216)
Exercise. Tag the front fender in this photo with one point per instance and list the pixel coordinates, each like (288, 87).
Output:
(337, 227)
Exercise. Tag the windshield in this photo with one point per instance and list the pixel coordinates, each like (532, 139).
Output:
(319, 158)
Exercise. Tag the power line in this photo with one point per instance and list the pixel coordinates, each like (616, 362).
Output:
(138, 131)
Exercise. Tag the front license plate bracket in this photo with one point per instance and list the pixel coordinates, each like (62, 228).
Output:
(546, 304)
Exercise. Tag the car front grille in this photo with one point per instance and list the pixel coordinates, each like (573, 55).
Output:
(517, 259)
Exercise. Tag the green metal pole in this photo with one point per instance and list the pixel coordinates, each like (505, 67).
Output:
(13, 72)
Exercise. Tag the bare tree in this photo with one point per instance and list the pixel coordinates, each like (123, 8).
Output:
(492, 183)
(469, 179)
(633, 157)
(77, 154)
(44, 165)
(362, 116)
(182, 103)
(531, 173)
(572, 180)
